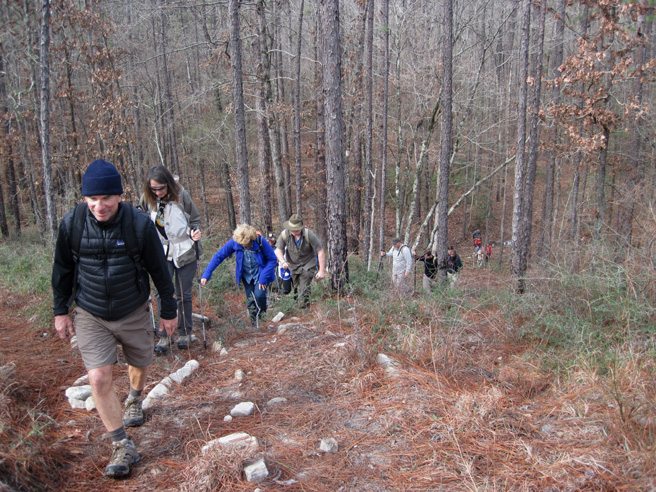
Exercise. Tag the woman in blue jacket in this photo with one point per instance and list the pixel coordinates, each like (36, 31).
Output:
(256, 265)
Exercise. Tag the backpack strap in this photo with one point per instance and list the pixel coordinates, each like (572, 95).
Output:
(77, 226)
(130, 236)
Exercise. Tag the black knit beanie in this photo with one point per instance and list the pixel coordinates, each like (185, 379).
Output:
(101, 178)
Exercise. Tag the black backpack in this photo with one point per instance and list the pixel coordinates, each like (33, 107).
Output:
(127, 228)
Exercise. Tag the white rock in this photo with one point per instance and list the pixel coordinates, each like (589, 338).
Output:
(81, 380)
(239, 440)
(384, 360)
(89, 404)
(340, 344)
(276, 401)
(75, 403)
(239, 375)
(185, 371)
(388, 363)
(227, 418)
(223, 352)
(243, 409)
(217, 347)
(79, 392)
(281, 329)
(159, 391)
(256, 472)
(278, 317)
(328, 445)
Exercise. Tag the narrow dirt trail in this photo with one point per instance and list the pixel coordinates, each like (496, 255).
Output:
(469, 412)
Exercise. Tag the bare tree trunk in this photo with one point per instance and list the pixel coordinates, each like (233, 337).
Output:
(548, 203)
(281, 197)
(519, 260)
(241, 150)
(6, 154)
(383, 141)
(44, 119)
(440, 243)
(335, 165)
(264, 145)
(297, 114)
(419, 166)
(169, 106)
(320, 151)
(634, 189)
(534, 111)
(368, 157)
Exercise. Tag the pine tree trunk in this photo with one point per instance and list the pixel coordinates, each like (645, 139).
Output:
(241, 151)
(335, 165)
(534, 132)
(263, 142)
(320, 150)
(518, 258)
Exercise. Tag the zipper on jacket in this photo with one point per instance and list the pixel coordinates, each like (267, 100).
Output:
(106, 272)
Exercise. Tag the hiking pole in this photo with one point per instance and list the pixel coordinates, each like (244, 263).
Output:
(259, 310)
(152, 315)
(202, 314)
(184, 318)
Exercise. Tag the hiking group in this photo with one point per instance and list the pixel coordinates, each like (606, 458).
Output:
(108, 251)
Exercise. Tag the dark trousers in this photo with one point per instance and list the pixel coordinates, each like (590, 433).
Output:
(301, 280)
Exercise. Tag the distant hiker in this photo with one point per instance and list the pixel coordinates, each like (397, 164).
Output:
(453, 265)
(255, 270)
(177, 221)
(271, 239)
(104, 261)
(488, 251)
(430, 270)
(402, 266)
(478, 242)
(299, 249)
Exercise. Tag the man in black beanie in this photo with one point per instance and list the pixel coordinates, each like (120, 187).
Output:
(107, 276)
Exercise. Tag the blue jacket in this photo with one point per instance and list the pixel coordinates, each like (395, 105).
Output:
(264, 254)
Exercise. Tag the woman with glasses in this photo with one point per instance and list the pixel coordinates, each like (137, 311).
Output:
(255, 267)
(177, 221)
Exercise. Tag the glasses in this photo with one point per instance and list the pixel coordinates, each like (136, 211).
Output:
(155, 189)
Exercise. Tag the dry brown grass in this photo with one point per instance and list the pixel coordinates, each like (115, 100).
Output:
(472, 408)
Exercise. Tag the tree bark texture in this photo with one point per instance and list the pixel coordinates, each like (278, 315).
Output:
(241, 150)
(335, 164)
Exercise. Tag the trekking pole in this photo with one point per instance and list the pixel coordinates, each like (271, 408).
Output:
(202, 314)
(415, 272)
(259, 310)
(152, 315)
(184, 319)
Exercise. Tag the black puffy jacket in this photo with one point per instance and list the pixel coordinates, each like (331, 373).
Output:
(107, 283)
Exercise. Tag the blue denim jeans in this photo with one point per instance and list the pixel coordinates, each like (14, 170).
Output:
(256, 299)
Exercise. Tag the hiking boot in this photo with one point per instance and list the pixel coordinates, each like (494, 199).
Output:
(162, 346)
(124, 455)
(133, 415)
(184, 341)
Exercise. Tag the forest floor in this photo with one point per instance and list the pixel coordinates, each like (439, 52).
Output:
(472, 413)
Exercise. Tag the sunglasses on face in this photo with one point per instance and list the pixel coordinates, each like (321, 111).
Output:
(155, 189)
